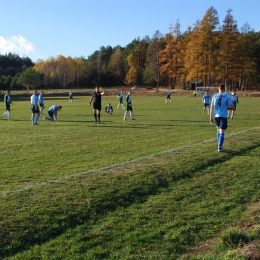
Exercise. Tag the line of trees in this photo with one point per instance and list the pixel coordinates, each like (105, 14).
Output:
(208, 53)
(11, 66)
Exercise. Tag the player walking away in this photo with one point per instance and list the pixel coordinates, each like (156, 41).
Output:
(234, 99)
(120, 97)
(109, 109)
(41, 102)
(221, 102)
(129, 106)
(96, 98)
(53, 113)
(70, 96)
(35, 108)
(7, 102)
(206, 101)
(168, 96)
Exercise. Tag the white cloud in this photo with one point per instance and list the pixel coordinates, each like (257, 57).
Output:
(16, 44)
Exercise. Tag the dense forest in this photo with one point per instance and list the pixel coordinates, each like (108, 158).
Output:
(205, 54)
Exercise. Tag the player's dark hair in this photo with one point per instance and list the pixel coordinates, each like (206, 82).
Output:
(222, 86)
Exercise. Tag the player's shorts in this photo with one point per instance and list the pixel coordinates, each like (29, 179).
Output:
(35, 110)
(7, 107)
(206, 105)
(168, 97)
(109, 111)
(221, 122)
(129, 107)
(121, 100)
(50, 113)
(97, 106)
(71, 97)
(42, 105)
(235, 105)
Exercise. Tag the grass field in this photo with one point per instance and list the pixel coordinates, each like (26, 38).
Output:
(150, 188)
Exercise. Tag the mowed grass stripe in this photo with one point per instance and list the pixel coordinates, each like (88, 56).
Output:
(123, 163)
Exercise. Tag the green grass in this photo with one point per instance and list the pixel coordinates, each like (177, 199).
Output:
(150, 188)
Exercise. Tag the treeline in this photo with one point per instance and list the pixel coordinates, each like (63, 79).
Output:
(206, 54)
(11, 65)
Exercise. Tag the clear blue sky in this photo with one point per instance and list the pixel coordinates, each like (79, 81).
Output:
(41, 29)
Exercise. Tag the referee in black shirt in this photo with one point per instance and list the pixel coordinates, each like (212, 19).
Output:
(96, 98)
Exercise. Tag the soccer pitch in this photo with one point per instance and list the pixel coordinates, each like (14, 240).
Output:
(74, 144)
(56, 156)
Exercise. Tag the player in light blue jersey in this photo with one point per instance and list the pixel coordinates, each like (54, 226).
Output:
(206, 101)
(168, 96)
(53, 113)
(234, 99)
(41, 102)
(120, 98)
(220, 104)
(35, 108)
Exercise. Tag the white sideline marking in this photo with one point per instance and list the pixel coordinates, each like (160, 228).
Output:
(119, 164)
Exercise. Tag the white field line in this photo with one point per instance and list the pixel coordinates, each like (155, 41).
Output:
(113, 166)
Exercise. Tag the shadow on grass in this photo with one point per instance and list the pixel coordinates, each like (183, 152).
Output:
(136, 191)
(233, 153)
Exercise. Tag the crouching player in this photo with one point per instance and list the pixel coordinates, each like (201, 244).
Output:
(53, 113)
(109, 109)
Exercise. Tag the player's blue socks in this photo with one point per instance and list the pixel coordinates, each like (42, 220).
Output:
(32, 119)
(37, 118)
(221, 140)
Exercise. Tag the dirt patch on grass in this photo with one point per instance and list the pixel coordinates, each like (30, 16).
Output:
(204, 248)
(254, 206)
(251, 251)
